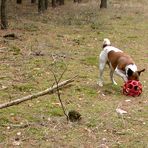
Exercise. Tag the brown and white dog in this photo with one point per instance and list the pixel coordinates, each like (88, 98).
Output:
(119, 63)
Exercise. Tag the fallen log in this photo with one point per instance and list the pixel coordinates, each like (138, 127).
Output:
(36, 95)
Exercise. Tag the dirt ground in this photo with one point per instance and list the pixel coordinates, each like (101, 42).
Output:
(71, 37)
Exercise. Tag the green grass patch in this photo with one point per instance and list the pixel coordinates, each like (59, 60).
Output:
(56, 112)
(15, 50)
(31, 27)
(4, 121)
(92, 61)
(24, 87)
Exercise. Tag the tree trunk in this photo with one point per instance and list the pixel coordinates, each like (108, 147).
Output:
(61, 2)
(46, 4)
(103, 4)
(18, 1)
(57, 2)
(4, 22)
(33, 1)
(53, 3)
(41, 6)
(77, 1)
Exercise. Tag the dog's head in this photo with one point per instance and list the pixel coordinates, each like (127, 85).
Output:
(134, 75)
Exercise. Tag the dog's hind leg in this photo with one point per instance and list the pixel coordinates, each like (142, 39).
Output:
(102, 64)
(101, 70)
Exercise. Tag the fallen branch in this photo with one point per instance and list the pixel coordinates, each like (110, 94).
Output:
(33, 96)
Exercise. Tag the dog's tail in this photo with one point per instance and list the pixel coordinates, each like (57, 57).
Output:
(106, 42)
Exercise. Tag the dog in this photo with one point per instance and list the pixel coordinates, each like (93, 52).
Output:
(119, 63)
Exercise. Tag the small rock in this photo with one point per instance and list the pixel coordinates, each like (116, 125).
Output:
(80, 98)
(8, 127)
(49, 119)
(104, 139)
(18, 133)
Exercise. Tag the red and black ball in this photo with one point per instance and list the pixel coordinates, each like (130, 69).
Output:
(132, 88)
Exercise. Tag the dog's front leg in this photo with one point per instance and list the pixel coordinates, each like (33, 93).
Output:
(121, 74)
(112, 77)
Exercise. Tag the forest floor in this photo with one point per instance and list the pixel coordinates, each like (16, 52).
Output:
(71, 36)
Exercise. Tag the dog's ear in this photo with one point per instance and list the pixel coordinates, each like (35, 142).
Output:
(129, 72)
(139, 72)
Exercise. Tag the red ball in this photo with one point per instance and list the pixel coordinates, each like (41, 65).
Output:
(132, 88)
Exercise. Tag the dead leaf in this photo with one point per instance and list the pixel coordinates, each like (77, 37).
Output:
(120, 111)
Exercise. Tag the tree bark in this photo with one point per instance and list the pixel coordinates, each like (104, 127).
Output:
(77, 1)
(61, 2)
(46, 4)
(18, 1)
(103, 4)
(41, 6)
(33, 1)
(4, 22)
(33, 96)
(53, 3)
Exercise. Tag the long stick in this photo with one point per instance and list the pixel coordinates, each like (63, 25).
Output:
(58, 92)
(42, 93)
